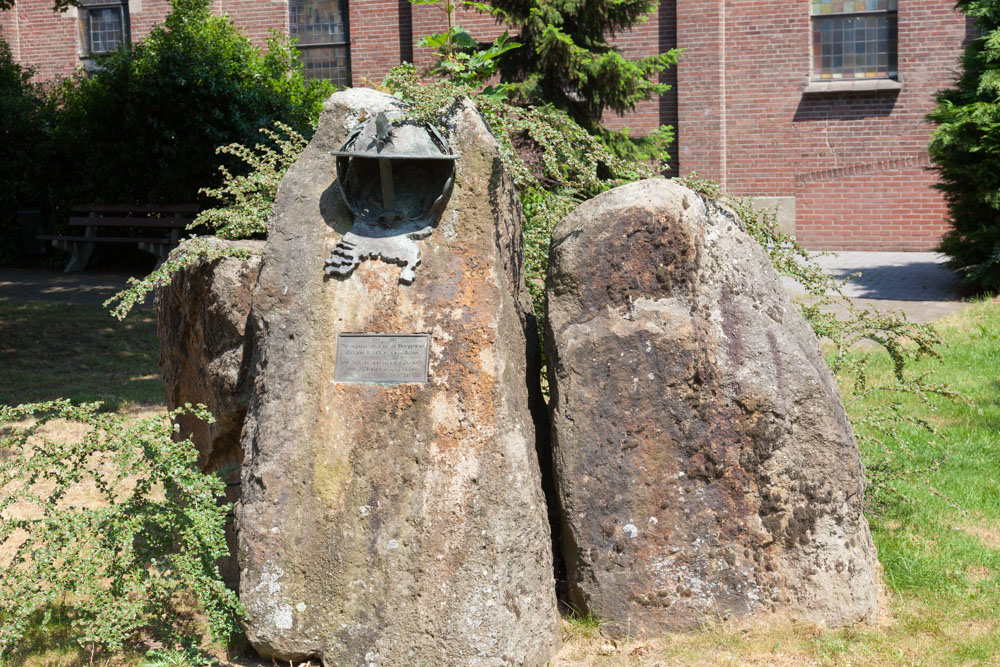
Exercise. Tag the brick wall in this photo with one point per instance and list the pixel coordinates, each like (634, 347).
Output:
(855, 161)
(380, 38)
(144, 15)
(42, 38)
(701, 137)
(50, 41)
(255, 18)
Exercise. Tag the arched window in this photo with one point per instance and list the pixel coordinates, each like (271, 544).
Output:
(321, 26)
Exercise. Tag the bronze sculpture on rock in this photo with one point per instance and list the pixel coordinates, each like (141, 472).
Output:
(396, 178)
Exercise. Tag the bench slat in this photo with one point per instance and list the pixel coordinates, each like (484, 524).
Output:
(103, 239)
(129, 222)
(123, 209)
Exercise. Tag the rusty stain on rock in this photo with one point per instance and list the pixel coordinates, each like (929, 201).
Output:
(676, 396)
(413, 525)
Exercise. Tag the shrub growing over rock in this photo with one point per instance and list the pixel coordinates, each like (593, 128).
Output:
(111, 527)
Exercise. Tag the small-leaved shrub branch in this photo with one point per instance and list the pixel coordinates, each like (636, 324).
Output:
(119, 524)
(245, 200)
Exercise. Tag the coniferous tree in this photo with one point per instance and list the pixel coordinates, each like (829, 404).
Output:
(566, 58)
(966, 151)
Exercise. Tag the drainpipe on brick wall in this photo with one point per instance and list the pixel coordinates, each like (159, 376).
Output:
(17, 31)
(723, 115)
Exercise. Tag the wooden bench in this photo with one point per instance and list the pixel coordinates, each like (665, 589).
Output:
(151, 220)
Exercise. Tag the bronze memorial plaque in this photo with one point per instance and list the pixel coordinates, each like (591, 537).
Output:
(381, 358)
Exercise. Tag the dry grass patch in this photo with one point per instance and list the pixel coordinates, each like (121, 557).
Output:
(985, 531)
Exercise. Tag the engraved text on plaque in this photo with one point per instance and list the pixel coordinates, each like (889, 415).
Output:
(378, 358)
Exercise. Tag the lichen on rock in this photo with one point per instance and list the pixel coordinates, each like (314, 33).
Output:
(396, 524)
(704, 461)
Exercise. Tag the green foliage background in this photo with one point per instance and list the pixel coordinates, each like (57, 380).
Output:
(144, 127)
(966, 151)
(26, 117)
(566, 59)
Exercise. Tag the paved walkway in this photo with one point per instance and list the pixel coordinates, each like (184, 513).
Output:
(84, 287)
(913, 282)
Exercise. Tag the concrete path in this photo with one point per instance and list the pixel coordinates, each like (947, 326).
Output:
(913, 282)
(84, 287)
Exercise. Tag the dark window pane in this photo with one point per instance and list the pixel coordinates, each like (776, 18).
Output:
(326, 62)
(317, 21)
(105, 29)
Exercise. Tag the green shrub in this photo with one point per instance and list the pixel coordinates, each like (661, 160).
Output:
(965, 148)
(247, 196)
(114, 525)
(245, 206)
(26, 114)
(458, 55)
(144, 127)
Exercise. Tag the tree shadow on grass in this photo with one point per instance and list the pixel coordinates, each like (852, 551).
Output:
(50, 643)
(56, 350)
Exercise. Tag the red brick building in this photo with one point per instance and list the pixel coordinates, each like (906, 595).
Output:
(817, 105)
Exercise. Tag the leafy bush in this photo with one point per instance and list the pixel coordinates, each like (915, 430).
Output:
(195, 83)
(246, 200)
(965, 148)
(459, 57)
(114, 525)
(27, 116)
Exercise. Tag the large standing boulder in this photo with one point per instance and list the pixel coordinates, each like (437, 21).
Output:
(395, 524)
(201, 320)
(704, 461)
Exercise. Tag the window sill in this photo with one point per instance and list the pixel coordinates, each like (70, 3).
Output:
(852, 86)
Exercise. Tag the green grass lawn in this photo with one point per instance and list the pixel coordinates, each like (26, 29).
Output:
(939, 544)
(938, 538)
(51, 350)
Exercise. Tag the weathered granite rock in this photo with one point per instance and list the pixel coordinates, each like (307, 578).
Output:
(704, 461)
(395, 524)
(201, 319)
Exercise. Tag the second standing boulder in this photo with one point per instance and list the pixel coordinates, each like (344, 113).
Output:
(704, 461)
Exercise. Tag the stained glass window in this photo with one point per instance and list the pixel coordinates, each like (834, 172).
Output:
(854, 39)
(106, 28)
(321, 26)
